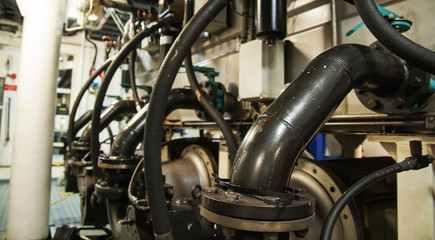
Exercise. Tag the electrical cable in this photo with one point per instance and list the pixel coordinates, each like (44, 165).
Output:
(392, 39)
(96, 51)
(139, 103)
(104, 85)
(203, 99)
(64, 194)
(157, 107)
(415, 162)
(71, 130)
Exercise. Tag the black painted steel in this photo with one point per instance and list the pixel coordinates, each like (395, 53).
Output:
(131, 135)
(109, 114)
(268, 153)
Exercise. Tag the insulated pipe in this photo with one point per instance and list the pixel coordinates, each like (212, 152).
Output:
(158, 101)
(72, 130)
(131, 135)
(392, 39)
(293, 119)
(109, 114)
(29, 194)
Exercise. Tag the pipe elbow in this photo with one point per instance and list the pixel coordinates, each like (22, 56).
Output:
(275, 141)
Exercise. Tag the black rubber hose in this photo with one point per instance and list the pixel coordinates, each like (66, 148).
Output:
(354, 190)
(297, 115)
(206, 103)
(156, 112)
(104, 85)
(132, 68)
(131, 135)
(95, 48)
(72, 131)
(392, 39)
(109, 114)
(203, 99)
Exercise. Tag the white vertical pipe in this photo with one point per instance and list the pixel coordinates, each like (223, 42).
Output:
(334, 23)
(29, 194)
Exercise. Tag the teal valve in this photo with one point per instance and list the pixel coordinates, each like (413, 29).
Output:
(395, 20)
(211, 74)
(354, 29)
(431, 87)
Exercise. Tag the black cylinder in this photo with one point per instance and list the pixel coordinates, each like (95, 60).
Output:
(271, 19)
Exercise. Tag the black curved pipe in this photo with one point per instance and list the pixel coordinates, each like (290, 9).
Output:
(292, 120)
(156, 112)
(203, 99)
(109, 114)
(72, 131)
(392, 39)
(131, 135)
(82, 121)
(119, 58)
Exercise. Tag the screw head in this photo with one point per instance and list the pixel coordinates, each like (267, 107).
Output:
(398, 102)
(372, 104)
(415, 82)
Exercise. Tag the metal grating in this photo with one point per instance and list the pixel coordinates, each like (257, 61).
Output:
(64, 212)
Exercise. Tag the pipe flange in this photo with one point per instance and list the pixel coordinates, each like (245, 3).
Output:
(200, 156)
(104, 191)
(299, 205)
(406, 97)
(118, 162)
(81, 146)
(258, 226)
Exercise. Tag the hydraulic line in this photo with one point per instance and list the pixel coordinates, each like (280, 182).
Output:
(203, 99)
(139, 103)
(205, 102)
(104, 85)
(155, 116)
(392, 39)
(411, 163)
(72, 131)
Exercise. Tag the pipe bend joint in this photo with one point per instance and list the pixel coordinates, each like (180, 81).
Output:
(275, 141)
